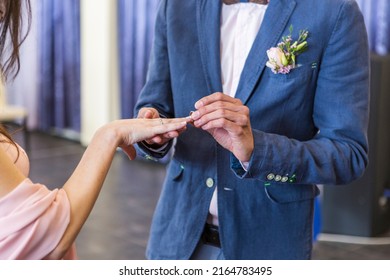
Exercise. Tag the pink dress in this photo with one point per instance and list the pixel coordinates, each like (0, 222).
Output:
(32, 218)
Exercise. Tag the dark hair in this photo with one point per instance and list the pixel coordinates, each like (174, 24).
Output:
(11, 24)
(10, 34)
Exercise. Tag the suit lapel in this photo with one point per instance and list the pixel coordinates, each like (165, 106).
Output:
(208, 20)
(275, 20)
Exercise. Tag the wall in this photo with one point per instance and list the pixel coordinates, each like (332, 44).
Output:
(99, 66)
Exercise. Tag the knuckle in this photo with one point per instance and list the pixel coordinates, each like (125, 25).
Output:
(218, 104)
(240, 130)
(222, 112)
(219, 95)
(245, 119)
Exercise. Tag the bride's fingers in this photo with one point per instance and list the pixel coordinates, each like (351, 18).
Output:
(162, 125)
(159, 130)
(163, 121)
(168, 127)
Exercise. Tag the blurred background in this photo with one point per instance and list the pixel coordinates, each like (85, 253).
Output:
(84, 64)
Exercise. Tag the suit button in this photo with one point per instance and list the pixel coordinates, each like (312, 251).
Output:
(292, 179)
(209, 182)
(284, 179)
(278, 178)
(270, 176)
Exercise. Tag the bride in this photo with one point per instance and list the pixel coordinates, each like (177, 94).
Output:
(36, 223)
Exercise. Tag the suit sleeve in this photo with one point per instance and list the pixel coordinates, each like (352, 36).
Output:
(338, 153)
(157, 92)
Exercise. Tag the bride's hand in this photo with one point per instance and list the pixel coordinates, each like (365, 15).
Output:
(130, 131)
(158, 139)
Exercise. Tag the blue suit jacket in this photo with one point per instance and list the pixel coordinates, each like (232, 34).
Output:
(309, 126)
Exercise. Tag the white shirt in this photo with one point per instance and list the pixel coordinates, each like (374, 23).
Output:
(240, 24)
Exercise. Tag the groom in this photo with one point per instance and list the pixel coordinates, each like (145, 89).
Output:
(280, 95)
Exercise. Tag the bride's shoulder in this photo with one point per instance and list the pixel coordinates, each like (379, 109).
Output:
(17, 154)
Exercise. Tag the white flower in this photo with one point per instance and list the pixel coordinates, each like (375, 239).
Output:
(276, 59)
(281, 59)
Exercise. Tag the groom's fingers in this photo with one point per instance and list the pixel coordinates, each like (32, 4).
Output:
(224, 110)
(220, 103)
(215, 97)
(222, 120)
(148, 113)
(130, 151)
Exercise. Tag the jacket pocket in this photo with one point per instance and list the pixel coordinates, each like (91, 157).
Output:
(175, 170)
(282, 193)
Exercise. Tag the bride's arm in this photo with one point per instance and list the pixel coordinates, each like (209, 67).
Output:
(83, 186)
(85, 183)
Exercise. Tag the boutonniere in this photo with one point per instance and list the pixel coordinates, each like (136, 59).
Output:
(282, 59)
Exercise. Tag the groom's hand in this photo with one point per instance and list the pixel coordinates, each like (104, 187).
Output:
(228, 121)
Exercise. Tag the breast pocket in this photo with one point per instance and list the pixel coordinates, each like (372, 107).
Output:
(292, 90)
(299, 74)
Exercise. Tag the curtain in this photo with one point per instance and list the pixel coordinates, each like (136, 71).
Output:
(377, 18)
(23, 91)
(136, 21)
(59, 60)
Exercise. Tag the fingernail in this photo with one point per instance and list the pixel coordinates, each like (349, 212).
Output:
(198, 123)
(195, 115)
(198, 104)
(190, 115)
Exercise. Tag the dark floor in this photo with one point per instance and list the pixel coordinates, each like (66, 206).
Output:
(118, 226)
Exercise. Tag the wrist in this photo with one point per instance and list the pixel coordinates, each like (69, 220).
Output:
(108, 136)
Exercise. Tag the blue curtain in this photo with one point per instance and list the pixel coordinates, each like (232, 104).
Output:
(59, 60)
(136, 21)
(377, 18)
